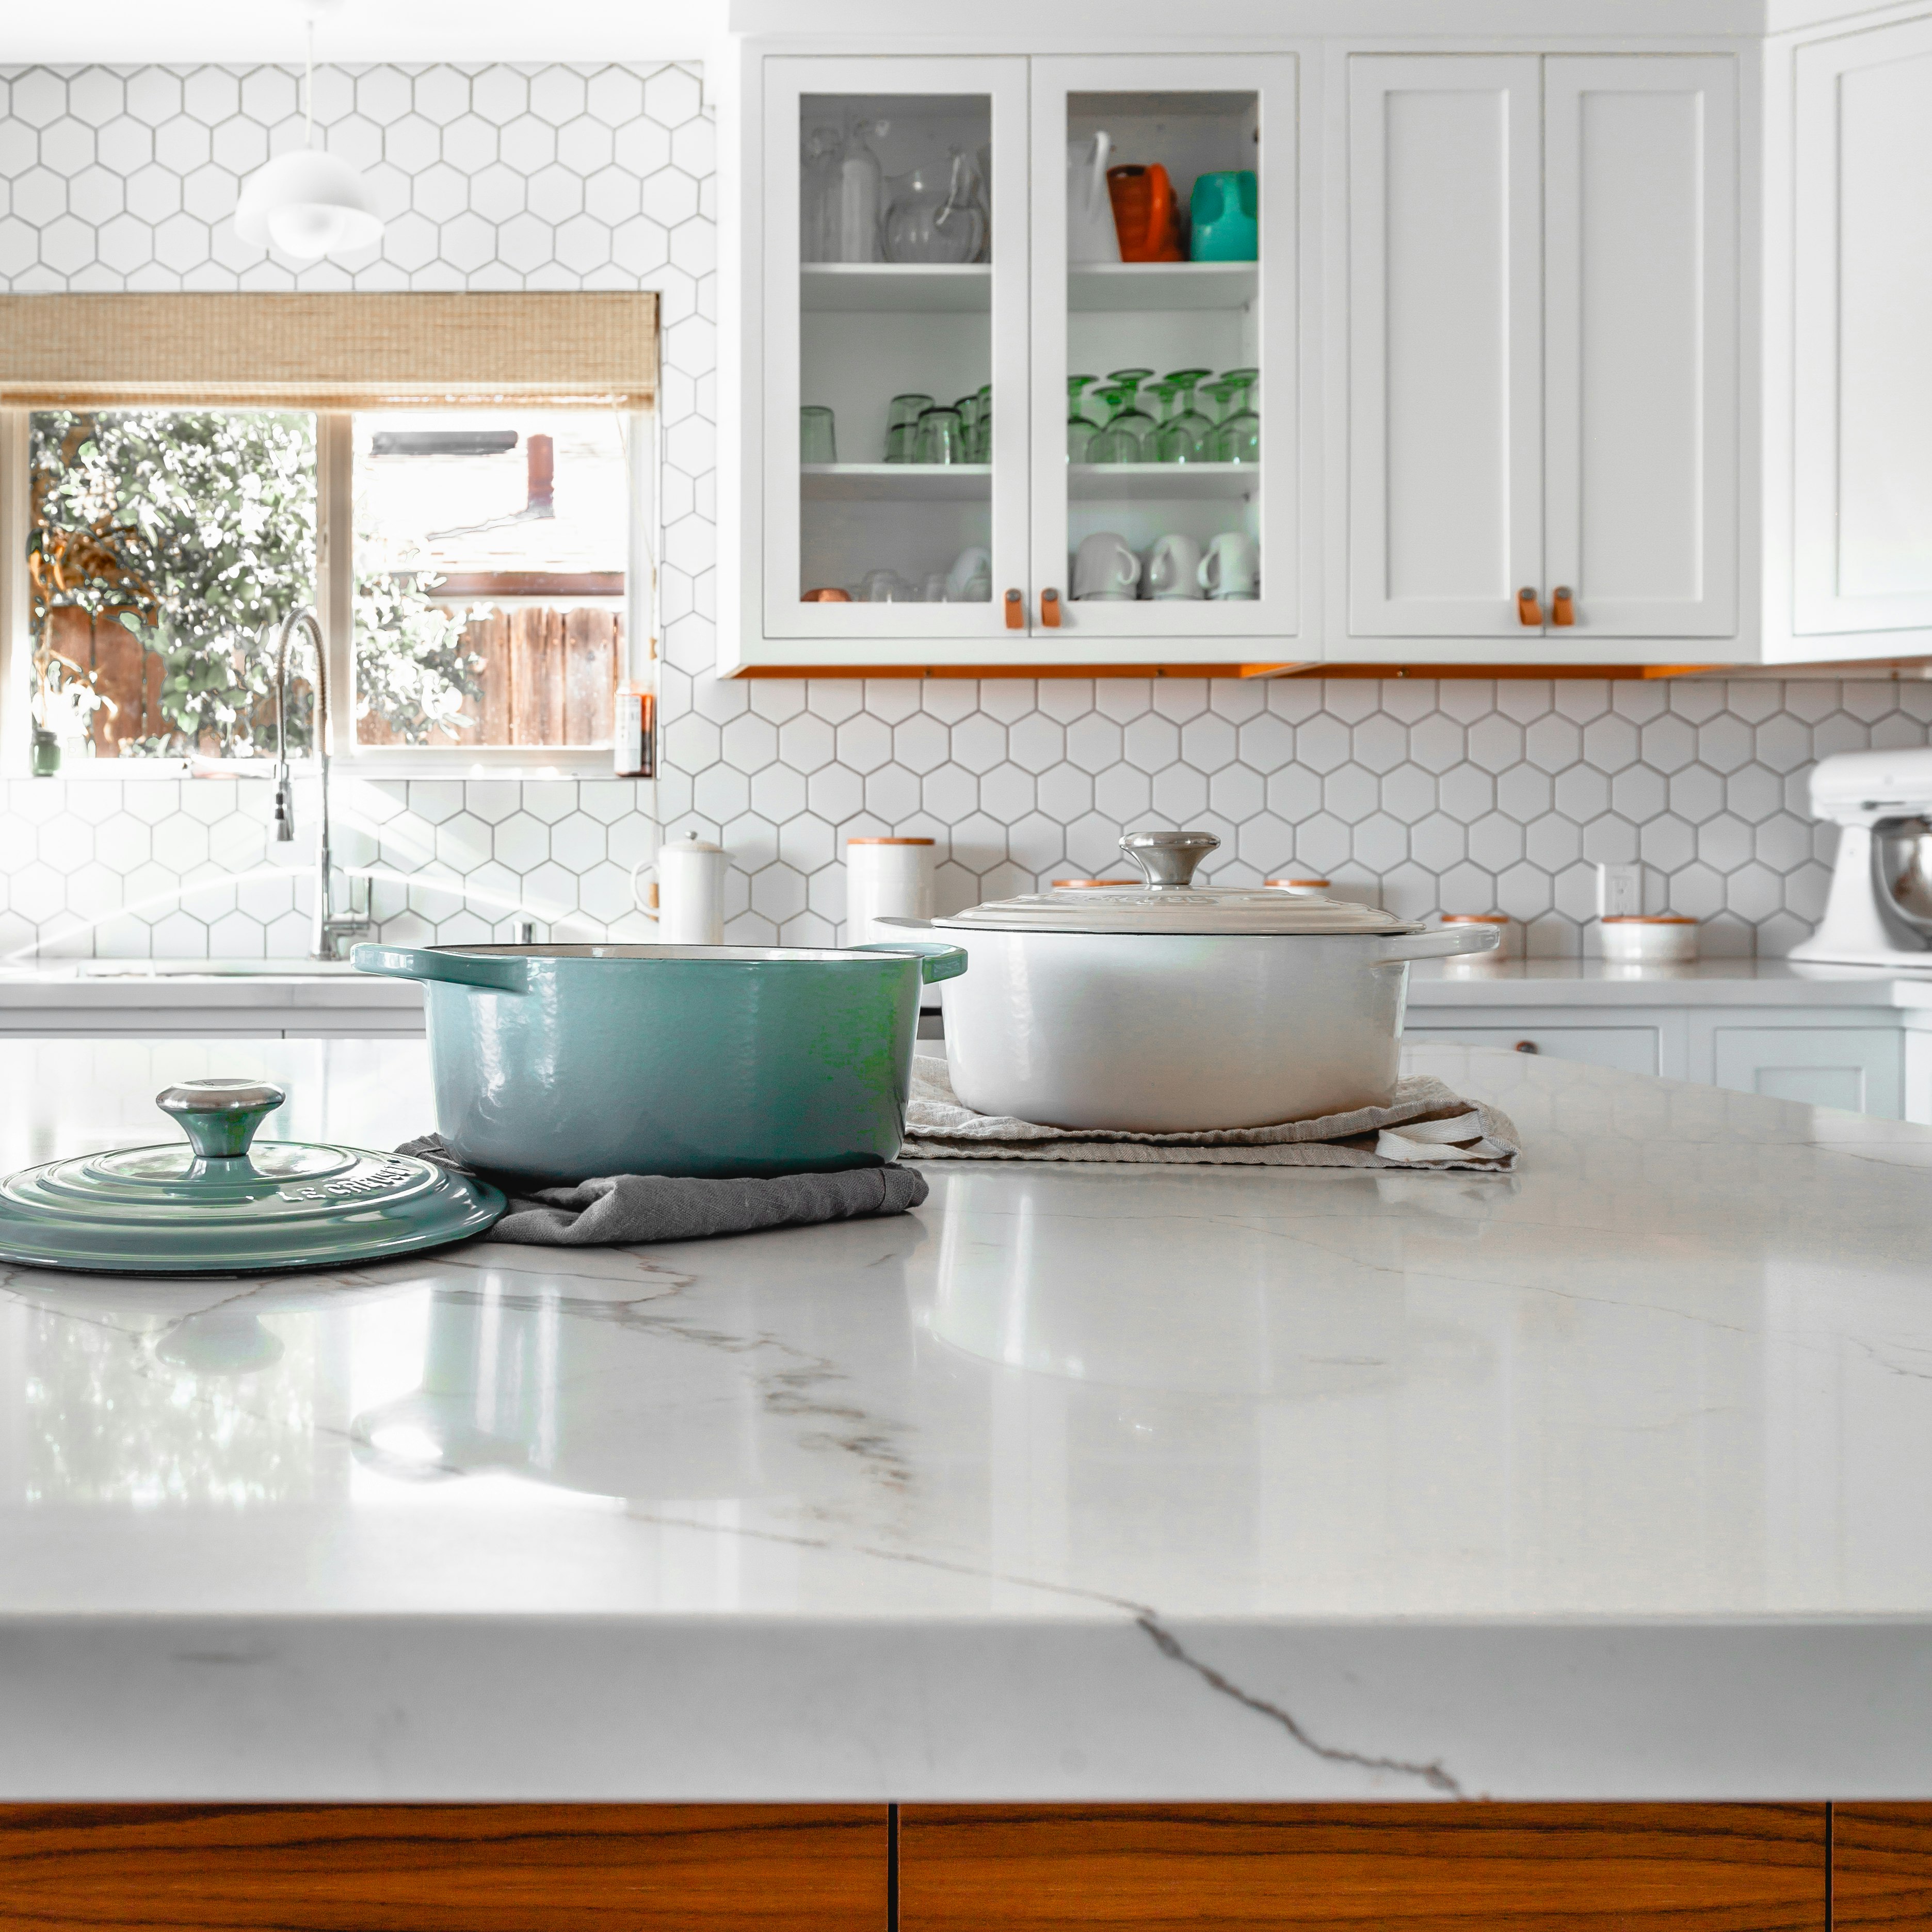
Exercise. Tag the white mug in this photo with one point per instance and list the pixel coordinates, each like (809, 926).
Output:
(1106, 569)
(690, 911)
(970, 579)
(1232, 566)
(886, 878)
(1174, 568)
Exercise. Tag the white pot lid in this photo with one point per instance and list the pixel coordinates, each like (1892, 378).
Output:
(1171, 902)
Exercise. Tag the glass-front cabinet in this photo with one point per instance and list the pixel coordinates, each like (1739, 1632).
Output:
(1021, 363)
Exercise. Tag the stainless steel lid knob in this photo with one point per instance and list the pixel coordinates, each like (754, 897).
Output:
(1168, 859)
(220, 1117)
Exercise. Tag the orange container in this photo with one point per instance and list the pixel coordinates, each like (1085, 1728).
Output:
(1146, 217)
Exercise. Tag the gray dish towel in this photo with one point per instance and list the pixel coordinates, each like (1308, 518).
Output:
(1427, 1125)
(618, 1209)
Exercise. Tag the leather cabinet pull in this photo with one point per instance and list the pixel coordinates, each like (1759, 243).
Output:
(1015, 611)
(1562, 609)
(1528, 610)
(1049, 609)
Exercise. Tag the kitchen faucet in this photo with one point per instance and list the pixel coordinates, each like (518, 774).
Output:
(327, 931)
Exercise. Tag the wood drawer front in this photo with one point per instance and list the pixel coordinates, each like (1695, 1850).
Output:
(1882, 1865)
(444, 1867)
(1364, 1868)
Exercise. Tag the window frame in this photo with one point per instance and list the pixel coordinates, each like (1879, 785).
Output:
(335, 565)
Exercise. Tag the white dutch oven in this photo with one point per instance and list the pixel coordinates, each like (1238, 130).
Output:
(1170, 1007)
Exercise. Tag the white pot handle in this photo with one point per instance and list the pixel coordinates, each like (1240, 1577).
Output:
(638, 872)
(1440, 942)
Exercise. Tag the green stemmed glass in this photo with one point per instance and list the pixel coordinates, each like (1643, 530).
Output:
(1081, 427)
(1186, 435)
(1238, 440)
(1124, 439)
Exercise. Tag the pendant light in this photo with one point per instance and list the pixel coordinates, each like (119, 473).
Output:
(307, 203)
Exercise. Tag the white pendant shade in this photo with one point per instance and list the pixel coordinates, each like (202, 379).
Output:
(306, 203)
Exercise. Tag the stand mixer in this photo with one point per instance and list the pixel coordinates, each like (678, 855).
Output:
(1879, 911)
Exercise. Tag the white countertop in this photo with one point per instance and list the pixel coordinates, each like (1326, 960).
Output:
(1710, 982)
(1613, 1479)
(166, 984)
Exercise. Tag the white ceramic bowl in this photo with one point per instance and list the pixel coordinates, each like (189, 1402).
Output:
(1649, 939)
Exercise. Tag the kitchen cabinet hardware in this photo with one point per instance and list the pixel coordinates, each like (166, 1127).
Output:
(1015, 611)
(1049, 609)
(1528, 1046)
(1562, 610)
(1528, 609)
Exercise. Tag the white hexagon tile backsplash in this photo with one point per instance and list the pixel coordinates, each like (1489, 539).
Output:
(1459, 795)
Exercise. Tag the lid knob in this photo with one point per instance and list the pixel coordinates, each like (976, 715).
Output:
(1168, 859)
(220, 1117)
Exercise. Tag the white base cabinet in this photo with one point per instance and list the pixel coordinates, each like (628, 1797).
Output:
(1854, 1058)
(1581, 339)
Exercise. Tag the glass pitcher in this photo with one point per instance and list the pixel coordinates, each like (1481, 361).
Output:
(936, 214)
(817, 195)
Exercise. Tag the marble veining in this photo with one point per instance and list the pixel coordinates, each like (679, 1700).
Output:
(1609, 1478)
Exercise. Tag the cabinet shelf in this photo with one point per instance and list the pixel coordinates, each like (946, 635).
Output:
(1121, 287)
(896, 482)
(896, 288)
(1161, 482)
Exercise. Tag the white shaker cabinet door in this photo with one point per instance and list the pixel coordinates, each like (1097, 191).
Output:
(1862, 318)
(1445, 344)
(1640, 345)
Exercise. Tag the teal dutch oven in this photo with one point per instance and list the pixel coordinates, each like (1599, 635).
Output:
(555, 1064)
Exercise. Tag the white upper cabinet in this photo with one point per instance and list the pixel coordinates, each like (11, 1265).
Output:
(1640, 343)
(1174, 382)
(1445, 385)
(1542, 348)
(1493, 347)
(1862, 431)
(977, 422)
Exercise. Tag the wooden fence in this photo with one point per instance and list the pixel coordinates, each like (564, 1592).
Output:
(549, 677)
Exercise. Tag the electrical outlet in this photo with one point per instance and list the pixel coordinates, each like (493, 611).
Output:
(1619, 890)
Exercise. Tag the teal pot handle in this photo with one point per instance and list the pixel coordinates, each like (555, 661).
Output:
(460, 969)
(937, 960)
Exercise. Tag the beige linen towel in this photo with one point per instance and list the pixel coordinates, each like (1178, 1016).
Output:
(1428, 1125)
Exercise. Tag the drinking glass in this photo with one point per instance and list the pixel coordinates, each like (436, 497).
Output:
(1185, 436)
(941, 438)
(886, 587)
(1238, 440)
(1081, 427)
(903, 416)
(1124, 438)
(818, 441)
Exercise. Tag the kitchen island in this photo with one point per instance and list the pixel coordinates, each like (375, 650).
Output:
(1610, 1479)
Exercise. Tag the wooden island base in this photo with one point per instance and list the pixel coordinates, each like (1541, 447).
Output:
(965, 1868)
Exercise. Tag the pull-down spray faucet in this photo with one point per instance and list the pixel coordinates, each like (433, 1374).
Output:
(326, 929)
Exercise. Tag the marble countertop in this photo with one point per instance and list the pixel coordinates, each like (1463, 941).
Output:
(1611, 1479)
(1709, 983)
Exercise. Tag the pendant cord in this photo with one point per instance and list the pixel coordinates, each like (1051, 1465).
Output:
(308, 89)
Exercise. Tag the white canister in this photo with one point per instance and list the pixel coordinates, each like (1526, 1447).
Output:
(688, 902)
(886, 878)
(1649, 939)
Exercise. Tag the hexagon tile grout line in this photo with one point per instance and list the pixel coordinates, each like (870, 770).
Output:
(1457, 794)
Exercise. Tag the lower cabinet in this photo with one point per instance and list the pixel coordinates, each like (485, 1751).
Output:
(1628, 1049)
(445, 1868)
(1881, 1864)
(965, 1868)
(1363, 1867)
(1861, 1069)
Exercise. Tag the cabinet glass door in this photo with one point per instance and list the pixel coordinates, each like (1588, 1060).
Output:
(895, 353)
(1164, 343)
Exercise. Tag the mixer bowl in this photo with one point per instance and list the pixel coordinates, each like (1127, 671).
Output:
(1902, 856)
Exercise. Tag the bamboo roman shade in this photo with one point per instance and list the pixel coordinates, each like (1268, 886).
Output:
(329, 352)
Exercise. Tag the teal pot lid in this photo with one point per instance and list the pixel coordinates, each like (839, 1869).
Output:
(221, 1202)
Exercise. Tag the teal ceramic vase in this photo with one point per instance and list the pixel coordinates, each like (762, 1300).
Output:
(1221, 217)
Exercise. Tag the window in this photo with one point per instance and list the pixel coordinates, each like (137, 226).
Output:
(459, 485)
(490, 577)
